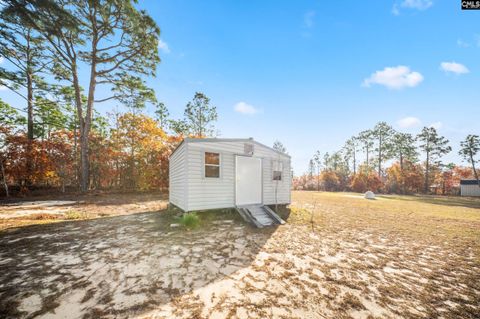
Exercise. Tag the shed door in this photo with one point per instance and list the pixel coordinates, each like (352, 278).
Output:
(248, 185)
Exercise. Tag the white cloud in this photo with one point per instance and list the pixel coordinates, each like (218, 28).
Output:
(417, 4)
(395, 10)
(472, 42)
(162, 45)
(436, 125)
(454, 67)
(463, 44)
(396, 78)
(411, 4)
(1, 59)
(308, 19)
(408, 122)
(244, 108)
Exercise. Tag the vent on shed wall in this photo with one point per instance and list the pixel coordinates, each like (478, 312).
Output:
(248, 149)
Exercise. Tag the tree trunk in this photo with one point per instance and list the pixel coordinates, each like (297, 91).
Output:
(474, 169)
(401, 172)
(4, 178)
(82, 128)
(318, 180)
(85, 122)
(118, 177)
(88, 116)
(427, 171)
(84, 164)
(380, 157)
(354, 162)
(75, 151)
(29, 105)
(29, 77)
(367, 160)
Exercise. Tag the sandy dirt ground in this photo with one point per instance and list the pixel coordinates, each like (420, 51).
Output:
(48, 209)
(337, 257)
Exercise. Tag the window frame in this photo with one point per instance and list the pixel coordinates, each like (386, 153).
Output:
(219, 165)
(277, 167)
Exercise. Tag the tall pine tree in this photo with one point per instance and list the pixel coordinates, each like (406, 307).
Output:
(434, 146)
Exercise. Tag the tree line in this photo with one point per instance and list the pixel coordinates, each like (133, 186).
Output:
(128, 150)
(415, 163)
(59, 53)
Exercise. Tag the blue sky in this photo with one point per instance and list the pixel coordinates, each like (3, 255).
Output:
(313, 73)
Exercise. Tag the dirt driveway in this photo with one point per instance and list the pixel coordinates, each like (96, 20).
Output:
(57, 207)
(353, 259)
(116, 267)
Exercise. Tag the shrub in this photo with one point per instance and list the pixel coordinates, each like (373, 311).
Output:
(189, 220)
(73, 214)
(330, 181)
(362, 182)
(44, 216)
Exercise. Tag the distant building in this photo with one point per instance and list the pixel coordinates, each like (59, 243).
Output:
(469, 187)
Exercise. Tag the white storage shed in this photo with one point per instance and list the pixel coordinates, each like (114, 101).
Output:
(469, 187)
(214, 173)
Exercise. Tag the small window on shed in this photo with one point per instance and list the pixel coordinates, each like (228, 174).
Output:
(277, 170)
(212, 165)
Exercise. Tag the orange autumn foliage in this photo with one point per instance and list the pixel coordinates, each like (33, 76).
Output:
(49, 160)
(142, 146)
(363, 181)
(404, 181)
(330, 181)
(132, 156)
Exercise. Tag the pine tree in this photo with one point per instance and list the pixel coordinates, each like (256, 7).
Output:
(317, 159)
(403, 148)
(200, 115)
(434, 146)
(383, 134)
(366, 140)
(24, 48)
(112, 41)
(161, 113)
(350, 149)
(470, 147)
(278, 146)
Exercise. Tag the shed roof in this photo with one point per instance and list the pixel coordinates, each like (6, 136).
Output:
(219, 140)
(468, 182)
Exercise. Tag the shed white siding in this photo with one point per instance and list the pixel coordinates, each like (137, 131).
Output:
(203, 193)
(469, 190)
(178, 177)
